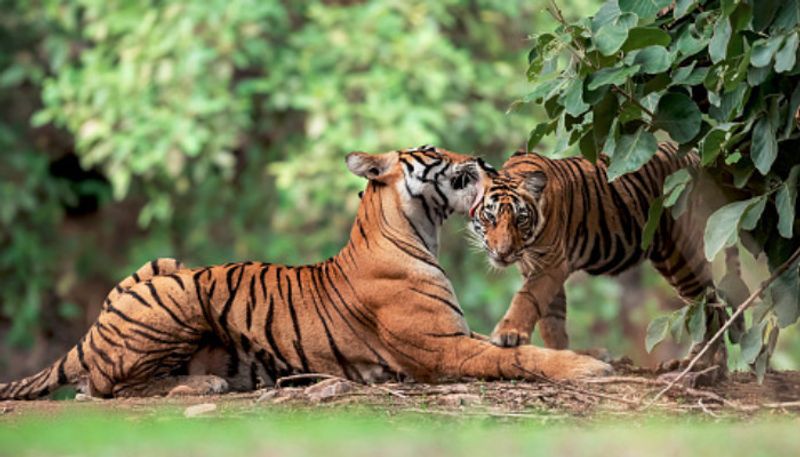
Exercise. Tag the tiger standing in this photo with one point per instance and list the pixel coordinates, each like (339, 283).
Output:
(381, 309)
(554, 217)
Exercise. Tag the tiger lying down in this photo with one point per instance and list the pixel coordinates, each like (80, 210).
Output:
(381, 309)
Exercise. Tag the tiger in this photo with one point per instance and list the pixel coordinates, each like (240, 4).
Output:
(555, 217)
(381, 309)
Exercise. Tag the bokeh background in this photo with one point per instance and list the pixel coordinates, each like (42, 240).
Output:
(215, 131)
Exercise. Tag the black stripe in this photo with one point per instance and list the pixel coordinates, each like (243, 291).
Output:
(161, 304)
(177, 279)
(79, 348)
(62, 375)
(447, 302)
(298, 342)
(270, 337)
(138, 298)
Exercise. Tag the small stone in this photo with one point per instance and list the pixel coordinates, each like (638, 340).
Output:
(328, 389)
(459, 400)
(83, 397)
(197, 410)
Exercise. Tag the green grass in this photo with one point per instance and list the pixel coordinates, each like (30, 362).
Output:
(357, 433)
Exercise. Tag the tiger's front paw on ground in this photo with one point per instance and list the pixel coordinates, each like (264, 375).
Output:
(509, 337)
(569, 365)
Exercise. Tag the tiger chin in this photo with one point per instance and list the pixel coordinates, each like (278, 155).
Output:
(554, 217)
(381, 309)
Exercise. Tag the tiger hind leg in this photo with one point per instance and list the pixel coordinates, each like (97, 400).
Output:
(680, 260)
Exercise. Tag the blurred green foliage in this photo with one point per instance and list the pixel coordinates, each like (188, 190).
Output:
(215, 131)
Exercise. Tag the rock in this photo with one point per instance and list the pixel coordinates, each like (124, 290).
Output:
(201, 409)
(459, 400)
(328, 389)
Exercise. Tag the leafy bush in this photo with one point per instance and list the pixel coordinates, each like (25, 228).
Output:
(717, 76)
(221, 127)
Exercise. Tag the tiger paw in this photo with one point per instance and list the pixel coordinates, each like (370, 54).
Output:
(509, 338)
(568, 365)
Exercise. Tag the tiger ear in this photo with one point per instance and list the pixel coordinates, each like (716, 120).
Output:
(534, 183)
(371, 166)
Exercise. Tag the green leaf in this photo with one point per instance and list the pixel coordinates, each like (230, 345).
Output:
(674, 186)
(763, 50)
(656, 332)
(690, 41)
(794, 104)
(683, 7)
(609, 38)
(751, 342)
(711, 144)
(764, 13)
(718, 46)
(652, 59)
(611, 140)
(612, 75)
(697, 323)
(653, 219)
(764, 150)
(753, 214)
(645, 9)
(787, 17)
(572, 98)
(688, 75)
(538, 133)
(544, 90)
(679, 116)
(785, 292)
(631, 152)
(639, 37)
(722, 227)
(785, 203)
(677, 323)
(787, 56)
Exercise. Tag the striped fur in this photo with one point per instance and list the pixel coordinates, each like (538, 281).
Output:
(554, 217)
(380, 309)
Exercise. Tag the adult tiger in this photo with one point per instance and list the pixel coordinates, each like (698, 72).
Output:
(382, 308)
(554, 217)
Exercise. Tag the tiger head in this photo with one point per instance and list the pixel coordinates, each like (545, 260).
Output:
(510, 216)
(430, 180)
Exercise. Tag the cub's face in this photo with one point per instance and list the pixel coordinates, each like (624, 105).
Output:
(509, 217)
(438, 180)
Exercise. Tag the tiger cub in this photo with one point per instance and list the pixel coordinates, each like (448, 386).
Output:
(381, 309)
(554, 217)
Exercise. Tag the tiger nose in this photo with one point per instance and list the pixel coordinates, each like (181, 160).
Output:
(503, 250)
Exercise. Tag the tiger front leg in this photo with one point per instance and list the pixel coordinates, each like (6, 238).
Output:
(472, 358)
(530, 304)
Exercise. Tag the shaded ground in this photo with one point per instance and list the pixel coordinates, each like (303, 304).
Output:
(627, 394)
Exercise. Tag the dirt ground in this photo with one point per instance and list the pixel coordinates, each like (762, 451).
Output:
(628, 393)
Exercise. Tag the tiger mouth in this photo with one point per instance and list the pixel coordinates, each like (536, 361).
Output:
(502, 262)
